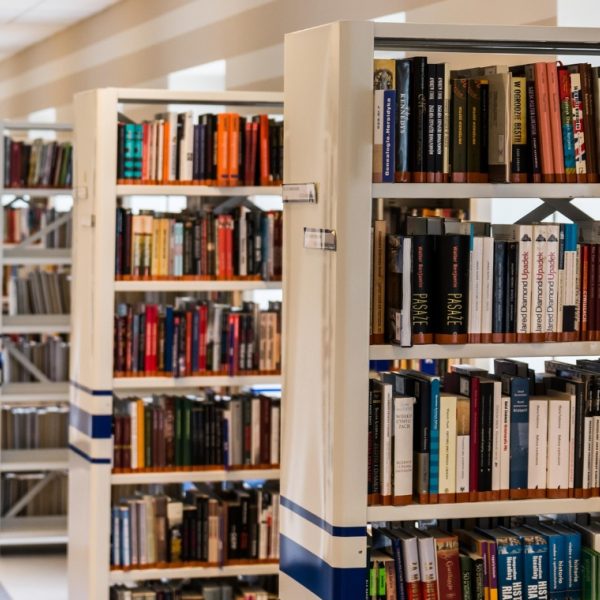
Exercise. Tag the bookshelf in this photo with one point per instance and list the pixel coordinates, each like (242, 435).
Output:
(52, 462)
(324, 515)
(95, 289)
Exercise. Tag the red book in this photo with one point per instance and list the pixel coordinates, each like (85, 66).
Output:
(583, 311)
(254, 167)
(222, 149)
(188, 341)
(449, 582)
(264, 150)
(555, 122)
(117, 442)
(474, 439)
(202, 337)
(544, 126)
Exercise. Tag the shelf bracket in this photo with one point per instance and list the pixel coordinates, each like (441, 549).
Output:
(22, 502)
(551, 205)
(26, 363)
(37, 236)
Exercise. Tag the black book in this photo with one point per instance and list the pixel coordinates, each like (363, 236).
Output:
(201, 157)
(196, 154)
(499, 291)
(403, 119)
(510, 302)
(486, 429)
(398, 261)
(521, 148)
(458, 131)
(418, 111)
(485, 131)
(431, 121)
(120, 153)
(440, 73)
(474, 130)
(375, 399)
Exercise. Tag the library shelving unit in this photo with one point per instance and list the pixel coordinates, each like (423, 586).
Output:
(328, 141)
(92, 382)
(52, 462)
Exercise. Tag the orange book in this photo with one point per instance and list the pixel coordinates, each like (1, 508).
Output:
(264, 150)
(543, 116)
(234, 149)
(555, 122)
(222, 149)
(166, 150)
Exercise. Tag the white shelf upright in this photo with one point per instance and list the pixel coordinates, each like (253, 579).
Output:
(328, 141)
(93, 300)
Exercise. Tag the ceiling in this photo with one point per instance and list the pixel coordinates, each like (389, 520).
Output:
(25, 22)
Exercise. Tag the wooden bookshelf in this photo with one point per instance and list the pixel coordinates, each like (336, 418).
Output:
(94, 291)
(324, 515)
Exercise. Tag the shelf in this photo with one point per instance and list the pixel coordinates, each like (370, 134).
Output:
(154, 384)
(193, 476)
(36, 192)
(39, 459)
(193, 572)
(30, 125)
(389, 352)
(33, 531)
(195, 190)
(464, 510)
(36, 256)
(28, 393)
(230, 98)
(36, 324)
(195, 286)
(485, 190)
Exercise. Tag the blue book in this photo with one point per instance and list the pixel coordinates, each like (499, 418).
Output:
(534, 560)
(169, 339)
(508, 563)
(116, 537)
(573, 558)
(388, 540)
(124, 534)
(389, 136)
(434, 448)
(557, 558)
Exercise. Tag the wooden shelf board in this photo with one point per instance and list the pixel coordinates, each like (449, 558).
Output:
(38, 459)
(195, 190)
(33, 531)
(36, 192)
(36, 324)
(36, 256)
(26, 393)
(505, 508)
(193, 476)
(195, 286)
(171, 383)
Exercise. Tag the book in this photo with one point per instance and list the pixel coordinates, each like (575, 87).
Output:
(384, 124)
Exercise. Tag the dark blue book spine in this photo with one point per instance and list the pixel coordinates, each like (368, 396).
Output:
(510, 576)
(519, 432)
(202, 176)
(535, 571)
(196, 154)
(399, 569)
(389, 135)
(434, 440)
(499, 281)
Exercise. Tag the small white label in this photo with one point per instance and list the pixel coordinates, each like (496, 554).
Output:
(320, 239)
(464, 386)
(300, 192)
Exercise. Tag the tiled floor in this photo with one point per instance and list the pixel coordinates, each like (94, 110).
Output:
(25, 576)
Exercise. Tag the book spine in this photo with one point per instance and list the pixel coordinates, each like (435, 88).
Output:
(440, 85)
(505, 448)
(423, 440)
(559, 420)
(434, 441)
(497, 432)
(378, 300)
(535, 570)
(458, 159)
(474, 130)
(535, 167)
(422, 290)
(431, 122)
(566, 115)
(475, 437)
(590, 122)
(484, 135)
(544, 122)
(511, 303)
(403, 121)
(499, 291)
(428, 568)
(447, 454)
(487, 284)
(448, 569)
(499, 123)
(410, 558)
(519, 163)
(538, 300)
(579, 131)
(537, 463)
(403, 454)
(524, 282)
(463, 442)
(418, 110)
(552, 287)
(555, 122)
(486, 429)
(475, 290)
(386, 445)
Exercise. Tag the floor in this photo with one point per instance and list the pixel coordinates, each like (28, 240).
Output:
(25, 576)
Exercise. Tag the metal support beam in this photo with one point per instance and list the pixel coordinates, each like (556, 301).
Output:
(37, 236)
(22, 502)
(551, 205)
(26, 363)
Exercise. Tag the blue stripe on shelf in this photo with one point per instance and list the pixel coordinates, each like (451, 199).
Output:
(323, 580)
(94, 426)
(90, 391)
(96, 461)
(333, 530)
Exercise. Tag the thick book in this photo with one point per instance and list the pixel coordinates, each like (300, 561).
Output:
(403, 119)
(519, 164)
(544, 122)
(534, 563)
(566, 115)
(398, 289)
(384, 117)
(402, 461)
(555, 122)
(509, 561)
(459, 131)
(431, 122)
(448, 565)
(447, 445)
(538, 446)
(418, 112)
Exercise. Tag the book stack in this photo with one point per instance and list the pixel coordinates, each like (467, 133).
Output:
(50, 354)
(222, 149)
(503, 558)
(449, 282)
(35, 291)
(17, 485)
(183, 433)
(37, 164)
(34, 427)
(196, 337)
(22, 222)
(530, 123)
(242, 243)
(207, 527)
(208, 589)
(482, 436)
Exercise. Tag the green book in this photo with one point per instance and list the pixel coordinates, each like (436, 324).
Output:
(466, 576)
(590, 562)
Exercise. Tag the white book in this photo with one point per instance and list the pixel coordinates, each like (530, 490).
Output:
(562, 275)
(171, 118)
(410, 556)
(505, 445)
(463, 438)
(186, 147)
(497, 418)
(427, 558)
(142, 539)
(538, 443)
(133, 420)
(588, 439)
(578, 286)
(552, 290)
(255, 432)
(403, 447)
(571, 294)
(475, 288)
(229, 429)
(386, 442)
(487, 286)
(559, 421)
(538, 298)
(447, 445)
(570, 393)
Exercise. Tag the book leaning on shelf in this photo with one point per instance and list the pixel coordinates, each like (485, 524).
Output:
(35, 291)
(533, 123)
(222, 149)
(233, 241)
(478, 436)
(505, 558)
(182, 433)
(37, 164)
(207, 527)
(197, 337)
(451, 282)
(50, 354)
(20, 222)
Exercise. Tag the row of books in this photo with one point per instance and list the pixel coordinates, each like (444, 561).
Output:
(529, 123)
(20, 222)
(222, 149)
(206, 526)
(451, 282)
(175, 432)
(195, 337)
(38, 163)
(495, 558)
(483, 436)
(209, 589)
(244, 242)
(37, 291)
(34, 427)
(17, 485)
(50, 354)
